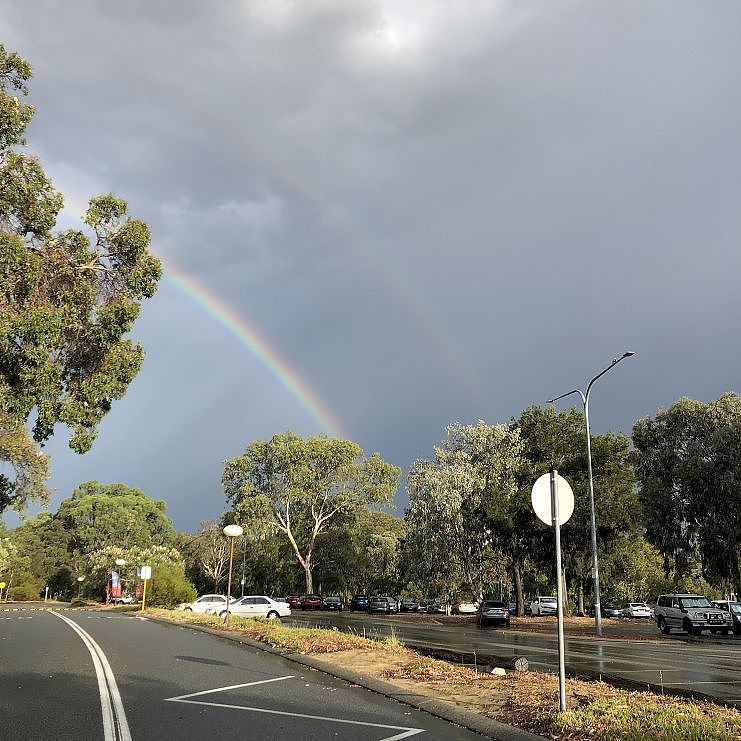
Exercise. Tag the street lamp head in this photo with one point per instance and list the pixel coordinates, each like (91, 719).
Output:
(628, 353)
(80, 578)
(120, 562)
(233, 531)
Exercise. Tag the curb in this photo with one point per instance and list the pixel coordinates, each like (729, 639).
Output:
(439, 708)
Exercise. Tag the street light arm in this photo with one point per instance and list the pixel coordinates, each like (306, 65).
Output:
(615, 361)
(568, 393)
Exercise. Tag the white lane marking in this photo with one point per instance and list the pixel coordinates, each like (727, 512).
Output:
(230, 687)
(405, 730)
(115, 725)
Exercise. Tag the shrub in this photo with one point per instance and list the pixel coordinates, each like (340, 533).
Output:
(169, 586)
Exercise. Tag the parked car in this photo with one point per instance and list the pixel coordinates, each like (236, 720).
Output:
(466, 608)
(359, 602)
(435, 608)
(258, 606)
(393, 604)
(207, 603)
(637, 610)
(491, 611)
(543, 606)
(312, 602)
(294, 601)
(691, 613)
(333, 603)
(380, 604)
(611, 610)
(124, 599)
(734, 608)
(409, 604)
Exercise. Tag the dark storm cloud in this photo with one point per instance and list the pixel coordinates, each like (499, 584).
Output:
(433, 211)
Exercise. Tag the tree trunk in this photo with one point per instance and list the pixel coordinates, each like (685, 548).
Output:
(580, 608)
(309, 578)
(566, 605)
(517, 574)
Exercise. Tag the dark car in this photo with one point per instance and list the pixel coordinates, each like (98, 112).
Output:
(734, 608)
(409, 604)
(607, 609)
(491, 611)
(294, 601)
(333, 603)
(380, 604)
(312, 602)
(435, 608)
(359, 602)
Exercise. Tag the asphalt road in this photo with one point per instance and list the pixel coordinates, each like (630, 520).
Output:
(710, 665)
(68, 674)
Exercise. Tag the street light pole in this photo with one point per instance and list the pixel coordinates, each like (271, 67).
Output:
(592, 518)
(231, 532)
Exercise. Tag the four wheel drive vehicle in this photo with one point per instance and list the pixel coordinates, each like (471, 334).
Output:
(206, 603)
(258, 606)
(491, 611)
(543, 606)
(409, 604)
(333, 603)
(734, 608)
(312, 602)
(124, 599)
(691, 613)
(359, 602)
(637, 610)
(380, 604)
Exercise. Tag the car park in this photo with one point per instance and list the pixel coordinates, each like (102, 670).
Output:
(691, 613)
(734, 609)
(543, 606)
(333, 603)
(637, 610)
(207, 603)
(258, 605)
(491, 611)
(359, 602)
(312, 602)
(408, 604)
(380, 604)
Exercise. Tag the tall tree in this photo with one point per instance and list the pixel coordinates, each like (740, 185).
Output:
(688, 461)
(300, 485)
(447, 516)
(67, 299)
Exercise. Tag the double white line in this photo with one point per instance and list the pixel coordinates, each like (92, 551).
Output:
(115, 727)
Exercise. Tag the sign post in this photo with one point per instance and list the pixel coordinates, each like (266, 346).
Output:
(553, 502)
(2, 586)
(145, 573)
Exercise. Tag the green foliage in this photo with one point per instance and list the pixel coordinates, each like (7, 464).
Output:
(688, 462)
(299, 486)
(169, 586)
(67, 300)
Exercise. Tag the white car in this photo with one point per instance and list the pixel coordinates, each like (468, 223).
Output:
(124, 599)
(208, 603)
(258, 606)
(466, 608)
(637, 610)
(544, 606)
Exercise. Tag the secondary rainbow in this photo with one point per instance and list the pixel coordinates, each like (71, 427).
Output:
(250, 339)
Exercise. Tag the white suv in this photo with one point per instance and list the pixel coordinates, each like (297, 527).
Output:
(691, 613)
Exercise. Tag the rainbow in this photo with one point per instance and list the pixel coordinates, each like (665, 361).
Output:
(250, 339)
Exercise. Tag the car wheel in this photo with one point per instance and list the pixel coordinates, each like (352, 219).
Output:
(725, 631)
(187, 609)
(663, 627)
(272, 615)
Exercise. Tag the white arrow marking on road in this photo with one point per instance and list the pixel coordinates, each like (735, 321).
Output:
(406, 732)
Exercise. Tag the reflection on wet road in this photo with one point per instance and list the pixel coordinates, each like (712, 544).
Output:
(711, 665)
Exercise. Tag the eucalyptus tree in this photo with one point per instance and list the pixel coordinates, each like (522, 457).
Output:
(67, 300)
(688, 462)
(299, 486)
(447, 520)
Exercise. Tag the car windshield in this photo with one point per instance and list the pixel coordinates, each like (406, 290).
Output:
(736, 608)
(694, 602)
(493, 604)
(548, 599)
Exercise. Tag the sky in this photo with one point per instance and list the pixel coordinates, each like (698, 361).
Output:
(380, 217)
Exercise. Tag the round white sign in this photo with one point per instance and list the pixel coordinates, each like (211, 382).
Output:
(541, 499)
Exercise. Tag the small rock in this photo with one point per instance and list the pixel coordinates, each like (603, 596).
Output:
(498, 671)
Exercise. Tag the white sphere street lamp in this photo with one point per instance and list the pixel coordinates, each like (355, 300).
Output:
(231, 532)
(80, 579)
